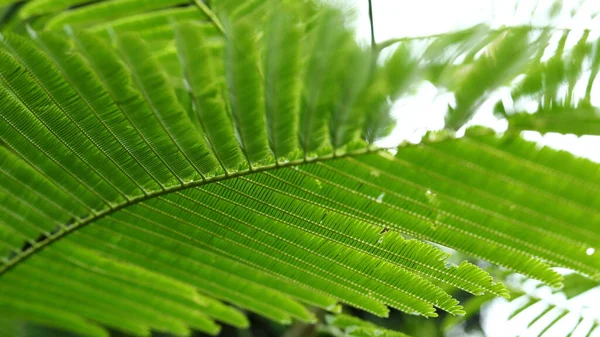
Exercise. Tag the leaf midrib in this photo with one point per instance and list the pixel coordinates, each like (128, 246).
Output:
(97, 215)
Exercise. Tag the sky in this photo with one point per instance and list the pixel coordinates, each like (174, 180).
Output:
(425, 110)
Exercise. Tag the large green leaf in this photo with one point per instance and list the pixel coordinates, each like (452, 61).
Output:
(141, 195)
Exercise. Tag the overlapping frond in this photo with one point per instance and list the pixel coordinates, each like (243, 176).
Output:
(552, 85)
(474, 63)
(239, 172)
(556, 94)
(507, 56)
(545, 312)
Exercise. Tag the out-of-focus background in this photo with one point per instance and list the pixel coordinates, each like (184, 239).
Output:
(407, 18)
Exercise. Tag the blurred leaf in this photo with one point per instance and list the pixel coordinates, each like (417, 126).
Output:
(552, 84)
(355, 327)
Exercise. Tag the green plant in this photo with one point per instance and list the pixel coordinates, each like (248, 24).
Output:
(180, 157)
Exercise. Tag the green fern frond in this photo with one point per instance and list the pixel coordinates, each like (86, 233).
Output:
(255, 180)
